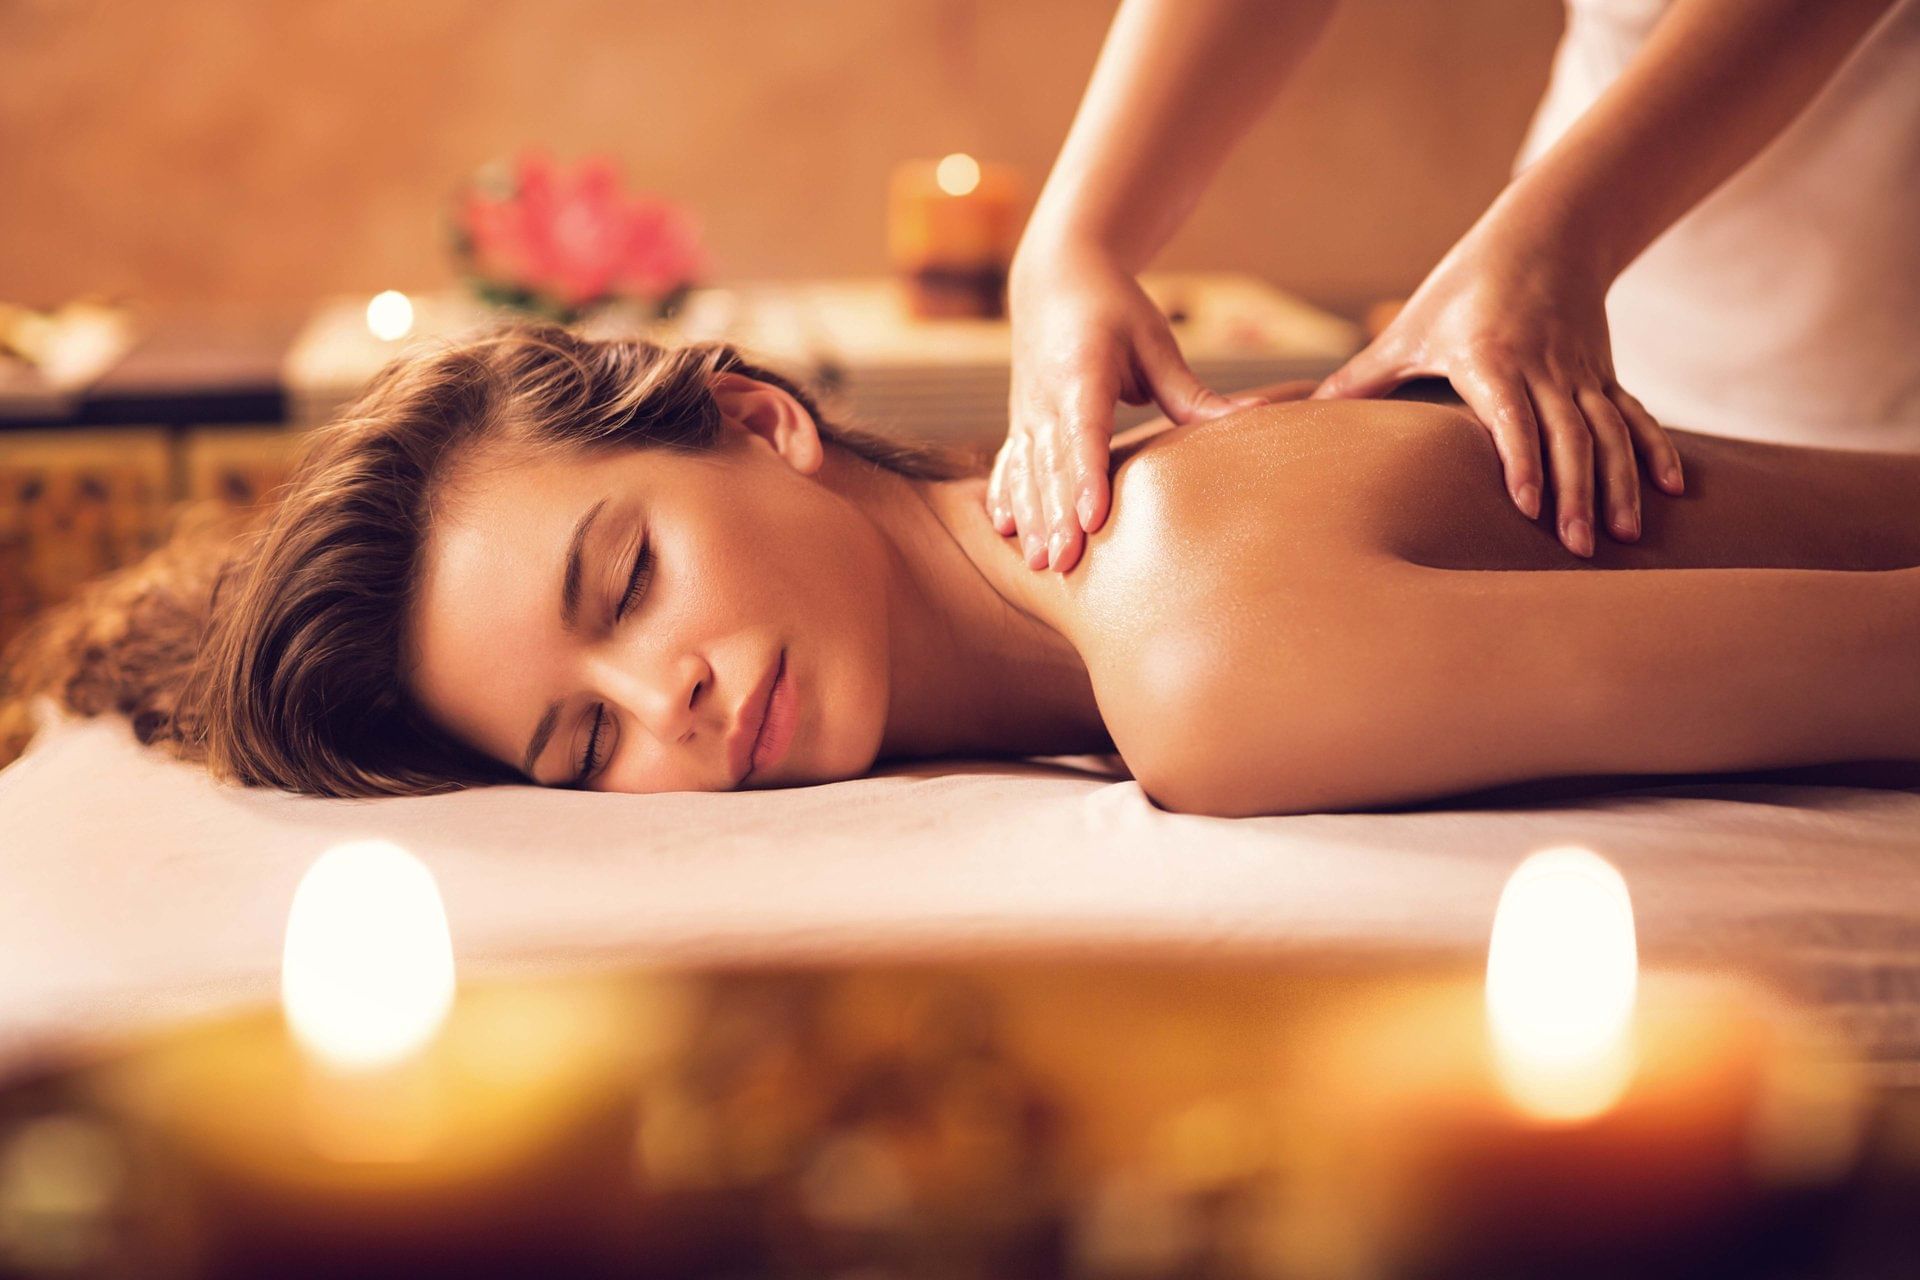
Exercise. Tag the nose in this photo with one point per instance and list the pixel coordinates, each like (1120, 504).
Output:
(662, 695)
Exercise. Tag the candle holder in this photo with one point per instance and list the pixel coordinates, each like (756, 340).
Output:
(1006, 1119)
(1003, 1119)
(952, 225)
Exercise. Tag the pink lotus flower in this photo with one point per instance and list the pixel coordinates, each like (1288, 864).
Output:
(571, 240)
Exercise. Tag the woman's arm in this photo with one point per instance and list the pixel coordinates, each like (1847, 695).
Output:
(1314, 607)
(1395, 682)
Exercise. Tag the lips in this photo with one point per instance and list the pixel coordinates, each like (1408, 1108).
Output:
(751, 720)
(778, 726)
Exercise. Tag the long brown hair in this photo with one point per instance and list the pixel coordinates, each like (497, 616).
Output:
(270, 648)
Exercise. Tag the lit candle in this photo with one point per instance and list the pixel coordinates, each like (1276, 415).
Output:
(377, 1116)
(1568, 1105)
(952, 225)
(1563, 1108)
(366, 981)
(390, 315)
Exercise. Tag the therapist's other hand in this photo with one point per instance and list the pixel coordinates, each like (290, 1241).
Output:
(1084, 335)
(1522, 336)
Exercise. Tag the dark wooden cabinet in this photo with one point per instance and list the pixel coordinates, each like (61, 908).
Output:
(75, 504)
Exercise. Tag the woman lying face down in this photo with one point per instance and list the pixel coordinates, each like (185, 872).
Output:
(606, 565)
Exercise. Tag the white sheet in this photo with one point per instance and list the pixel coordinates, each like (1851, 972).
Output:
(133, 889)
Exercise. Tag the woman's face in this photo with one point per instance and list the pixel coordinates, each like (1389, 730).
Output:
(748, 566)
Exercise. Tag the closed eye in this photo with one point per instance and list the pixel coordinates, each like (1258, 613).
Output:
(637, 580)
(593, 743)
(636, 587)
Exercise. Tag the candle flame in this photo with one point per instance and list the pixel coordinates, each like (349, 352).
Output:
(367, 974)
(390, 315)
(957, 174)
(1562, 970)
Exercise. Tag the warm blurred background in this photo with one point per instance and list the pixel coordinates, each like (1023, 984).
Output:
(267, 153)
(235, 180)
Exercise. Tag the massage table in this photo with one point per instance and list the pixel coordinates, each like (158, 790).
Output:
(134, 890)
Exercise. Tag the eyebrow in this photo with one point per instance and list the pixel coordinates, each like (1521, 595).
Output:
(570, 620)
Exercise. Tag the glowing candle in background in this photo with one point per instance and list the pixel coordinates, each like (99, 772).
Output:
(951, 229)
(1562, 970)
(957, 174)
(390, 315)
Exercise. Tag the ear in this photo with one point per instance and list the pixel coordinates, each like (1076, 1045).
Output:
(767, 413)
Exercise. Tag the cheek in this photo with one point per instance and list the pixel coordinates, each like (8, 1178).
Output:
(847, 612)
(786, 554)
(646, 769)
(815, 576)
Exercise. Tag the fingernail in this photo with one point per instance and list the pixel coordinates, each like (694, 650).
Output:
(1056, 548)
(1672, 476)
(1627, 524)
(1529, 500)
(1085, 507)
(1580, 537)
(1036, 552)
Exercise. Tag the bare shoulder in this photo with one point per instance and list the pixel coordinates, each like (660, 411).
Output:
(1211, 515)
(1292, 442)
(1228, 564)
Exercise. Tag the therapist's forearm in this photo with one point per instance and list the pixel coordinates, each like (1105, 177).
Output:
(1716, 81)
(1176, 85)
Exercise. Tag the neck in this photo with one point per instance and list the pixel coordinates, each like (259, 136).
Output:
(978, 664)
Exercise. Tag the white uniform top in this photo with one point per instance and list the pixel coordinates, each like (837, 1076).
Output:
(1786, 305)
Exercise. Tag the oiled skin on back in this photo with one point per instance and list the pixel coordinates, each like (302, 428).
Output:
(1291, 609)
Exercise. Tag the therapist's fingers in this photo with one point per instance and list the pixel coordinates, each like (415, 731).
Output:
(1071, 461)
(1170, 382)
(1569, 461)
(1615, 466)
(1056, 484)
(1088, 472)
(1075, 467)
(1376, 369)
(1023, 495)
(999, 501)
(1030, 515)
(1506, 412)
(1043, 468)
(1655, 446)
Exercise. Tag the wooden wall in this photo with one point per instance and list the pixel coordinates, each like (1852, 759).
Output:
(269, 151)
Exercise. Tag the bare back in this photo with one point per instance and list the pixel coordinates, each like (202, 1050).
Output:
(1273, 558)
(1422, 482)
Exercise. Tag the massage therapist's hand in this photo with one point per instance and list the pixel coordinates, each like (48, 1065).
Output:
(1520, 330)
(1084, 336)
